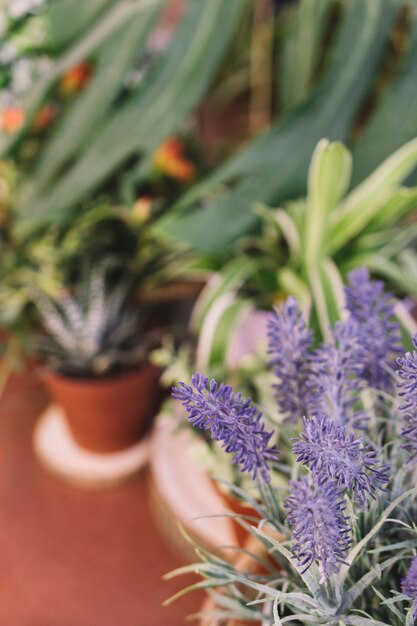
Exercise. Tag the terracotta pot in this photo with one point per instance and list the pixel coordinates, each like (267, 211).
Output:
(170, 305)
(240, 507)
(107, 415)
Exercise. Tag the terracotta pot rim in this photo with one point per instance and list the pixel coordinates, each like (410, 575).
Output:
(50, 374)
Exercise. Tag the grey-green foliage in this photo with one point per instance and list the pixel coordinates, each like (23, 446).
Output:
(92, 332)
(273, 589)
(96, 138)
(283, 576)
(273, 167)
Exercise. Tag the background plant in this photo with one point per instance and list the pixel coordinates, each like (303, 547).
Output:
(94, 142)
(355, 96)
(307, 247)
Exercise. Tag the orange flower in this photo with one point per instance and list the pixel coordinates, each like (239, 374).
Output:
(12, 119)
(44, 117)
(141, 210)
(171, 161)
(76, 78)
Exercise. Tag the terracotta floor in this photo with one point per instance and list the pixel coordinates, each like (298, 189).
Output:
(72, 557)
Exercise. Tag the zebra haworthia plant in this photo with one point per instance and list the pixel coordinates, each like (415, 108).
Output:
(346, 517)
(92, 332)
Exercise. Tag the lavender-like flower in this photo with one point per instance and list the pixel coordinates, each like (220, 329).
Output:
(380, 335)
(231, 419)
(335, 380)
(334, 455)
(289, 343)
(409, 586)
(408, 391)
(320, 527)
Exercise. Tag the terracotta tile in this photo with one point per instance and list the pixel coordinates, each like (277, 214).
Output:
(73, 557)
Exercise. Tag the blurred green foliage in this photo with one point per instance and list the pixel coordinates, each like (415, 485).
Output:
(347, 73)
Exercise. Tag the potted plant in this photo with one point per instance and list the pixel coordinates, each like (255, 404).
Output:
(96, 358)
(341, 535)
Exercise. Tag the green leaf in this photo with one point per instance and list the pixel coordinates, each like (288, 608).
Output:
(119, 53)
(93, 39)
(333, 289)
(69, 19)
(218, 330)
(364, 203)
(229, 279)
(274, 166)
(292, 284)
(319, 298)
(301, 50)
(399, 243)
(290, 233)
(404, 201)
(328, 179)
(394, 121)
(391, 271)
(154, 111)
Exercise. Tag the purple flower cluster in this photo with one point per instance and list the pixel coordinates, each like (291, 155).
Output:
(289, 343)
(408, 391)
(320, 529)
(231, 419)
(409, 586)
(333, 455)
(379, 333)
(335, 380)
(323, 387)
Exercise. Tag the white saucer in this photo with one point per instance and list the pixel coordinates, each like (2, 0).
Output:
(56, 449)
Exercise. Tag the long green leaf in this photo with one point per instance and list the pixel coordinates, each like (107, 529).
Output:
(328, 178)
(301, 50)
(391, 271)
(155, 111)
(230, 278)
(218, 329)
(404, 201)
(83, 48)
(117, 56)
(364, 203)
(274, 166)
(71, 18)
(395, 120)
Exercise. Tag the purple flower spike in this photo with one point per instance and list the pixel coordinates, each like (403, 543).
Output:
(409, 586)
(408, 391)
(335, 380)
(320, 527)
(336, 456)
(289, 343)
(231, 419)
(379, 332)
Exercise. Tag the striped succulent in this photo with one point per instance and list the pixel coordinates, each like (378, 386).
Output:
(92, 332)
